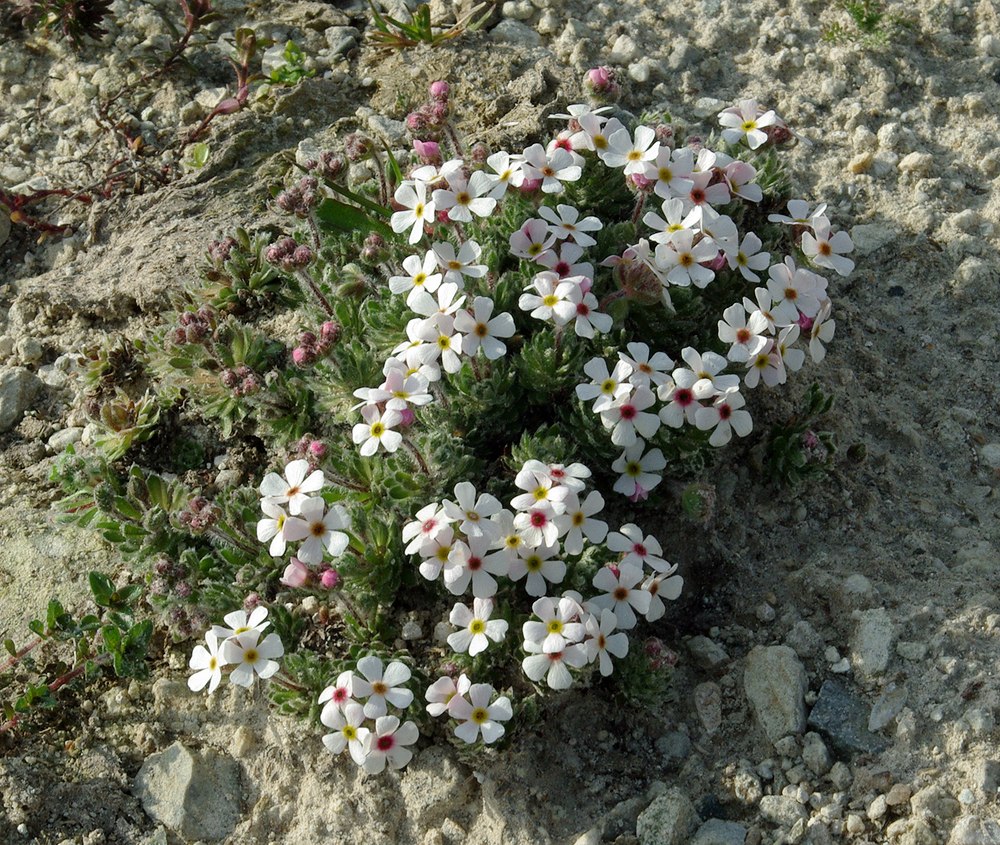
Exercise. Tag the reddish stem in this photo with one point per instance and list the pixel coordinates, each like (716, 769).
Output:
(18, 655)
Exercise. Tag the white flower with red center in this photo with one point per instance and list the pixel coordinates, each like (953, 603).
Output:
(702, 193)
(637, 550)
(580, 524)
(479, 715)
(338, 695)
(765, 366)
(386, 745)
(428, 522)
(553, 666)
(550, 300)
(708, 366)
(421, 276)
(239, 623)
(587, 320)
(739, 176)
(631, 152)
(559, 626)
(417, 210)
(509, 540)
(621, 593)
(553, 169)
(647, 370)
(826, 249)
(541, 489)
(564, 141)
(605, 387)
(538, 564)
(252, 657)
(440, 334)
(294, 488)
(799, 214)
(681, 259)
(465, 197)
(745, 335)
(458, 265)
(794, 291)
(562, 259)
(640, 470)
(725, 416)
(472, 562)
(628, 419)
(791, 357)
(601, 640)
(377, 430)
(436, 553)
(477, 629)
(565, 222)
(507, 170)
(748, 258)
(208, 663)
(571, 476)
(479, 331)
(821, 332)
(347, 731)
(682, 395)
(270, 527)
(674, 220)
(445, 693)
(319, 531)
(594, 133)
(671, 170)
(746, 122)
(401, 390)
(532, 239)
(537, 526)
(382, 685)
(666, 586)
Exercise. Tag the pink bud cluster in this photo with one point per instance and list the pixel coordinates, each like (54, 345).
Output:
(199, 514)
(312, 348)
(300, 198)
(242, 381)
(195, 327)
(289, 255)
(431, 116)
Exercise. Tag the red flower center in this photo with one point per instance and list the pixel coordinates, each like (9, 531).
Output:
(627, 412)
(725, 412)
(683, 397)
(583, 309)
(538, 519)
(475, 563)
(639, 549)
(384, 743)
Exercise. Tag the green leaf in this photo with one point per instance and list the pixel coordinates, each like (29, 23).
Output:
(36, 626)
(9, 645)
(112, 638)
(101, 587)
(53, 614)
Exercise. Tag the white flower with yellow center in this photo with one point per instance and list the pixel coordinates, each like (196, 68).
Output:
(537, 563)
(507, 170)
(382, 686)
(417, 209)
(320, 531)
(458, 265)
(550, 300)
(465, 197)
(208, 662)
(605, 387)
(251, 656)
(238, 623)
(270, 527)
(479, 715)
(347, 731)
(580, 524)
(421, 276)
(377, 430)
(477, 629)
(481, 332)
(445, 693)
(746, 121)
(601, 640)
(631, 152)
(559, 624)
(294, 488)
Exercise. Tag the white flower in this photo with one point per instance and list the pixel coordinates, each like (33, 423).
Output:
(477, 627)
(270, 528)
(702, 193)
(621, 593)
(550, 300)
(445, 302)
(594, 132)
(532, 239)
(480, 715)
(825, 249)
(380, 687)
(208, 662)
(763, 304)
(681, 396)
(568, 476)
(766, 365)
(578, 518)
(239, 623)
(444, 694)
(794, 290)
(676, 220)
(385, 745)
(553, 169)
(605, 388)
(481, 332)
(587, 320)
(680, 257)
(418, 211)
(465, 198)
(748, 258)
(718, 229)
(294, 488)
(602, 642)
(509, 171)
(319, 531)
(250, 656)
(563, 263)
(421, 276)
(646, 370)
(821, 332)
(746, 336)
(428, 522)
(377, 430)
(632, 154)
(456, 266)
(637, 550)
(541, 489)
(746, 122)
(707, 367)
(627, 417)
(725, 415)
(553, 665)
(400, 389)
(665, 586)
(472, 512)
(538, 565)
(792, 358)
(347, 731)
(639, 472)
(471, 562)
(559, 625)
(509, 540)
(437, 553)
(672, 171)
(567, 224)
(439, 334)
(799, 214)
(338, 695)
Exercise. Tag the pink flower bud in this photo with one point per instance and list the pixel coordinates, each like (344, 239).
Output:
(441, 215)
(665, 134)
(329, 579)
(416, 121)
(586, 285)
(601, 83)
(317, 449)
(251, 601)
(805, 323)
(640, 494)
(438, 113)
(303, 356)
(429, 152)
(641, 183)
(480, 152)
(598, 77)
(717, 263)
(406, 418)
(440, 90)
(296, 574)
(614, 570)
(530, 186)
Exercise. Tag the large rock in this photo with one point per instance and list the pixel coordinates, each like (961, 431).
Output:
(719, 832)
(973, 830)
(194, 794)
(775, 684)
(18, 387)
(872, 643)
(843, 719)
(669, 820)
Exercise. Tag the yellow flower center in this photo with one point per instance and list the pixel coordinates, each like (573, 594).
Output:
(251, 655)
(378, 429)
(419, 279)
(477, 626)
(554, 626)
(480, 716)
(550, 300)
(533, 563)
(350, 732)
(379, 688)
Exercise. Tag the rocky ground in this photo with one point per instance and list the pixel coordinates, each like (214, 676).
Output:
(837, 641)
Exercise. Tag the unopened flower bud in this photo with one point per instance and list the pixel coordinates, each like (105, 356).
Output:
(479, 154)
(219, 251)
(429, 152)
(329, 333)
(317, 449)
(530, 186)
(778, 134)
(182, 589)
(640, 182)
(717, 263)
(602, 84)
(304, 356)
(296, 574)
(229, 378)
(440, 90)
(330, 165)
(357, 147)
(664, 134)
(302, 256)
(178, 337)
(406, 418)
(438, 113)
(416, 122)
(330, 579)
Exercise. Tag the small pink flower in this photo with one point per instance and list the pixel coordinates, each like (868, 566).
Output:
(296, 574)
(429, 152)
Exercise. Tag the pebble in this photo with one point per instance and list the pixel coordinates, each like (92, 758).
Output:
(707, 653)
(871, 237)
(720, 832)
(911, 650)
(815, 754)
(918, 164)
(624, 50)
(674, 746)
(18, 388)
(775, 683)
(887, 707)
(871, 645)
(990, 45)
(877, 808)
(708, 704)
(899, 794)
(515, 32)
(29, 350)
(782, 810)
(843, 720)
(933, 802)
(990, 455)
(855, 825)
(861, 163)
(63, 438)
(670, 819)
(411, 630)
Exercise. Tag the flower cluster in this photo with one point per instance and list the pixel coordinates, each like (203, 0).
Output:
(236, 646)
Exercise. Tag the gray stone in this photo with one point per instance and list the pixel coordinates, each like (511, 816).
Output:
(675, 747)
(64, 437)
(516, 32)
(670, 819)
(194, 794)
(340, 39)
(623, 50)
(775, 683)
(707, 653)
(972, 830)
(933, 802)
(843, 720)
(708, 704)
(986, 777)
(782, 810)
(684, 55)
(888, 707)
(871, 237)
(433, 786)
(719, 832)
(815, 754)
(18, 387)
(871, 645)
(804, 639)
